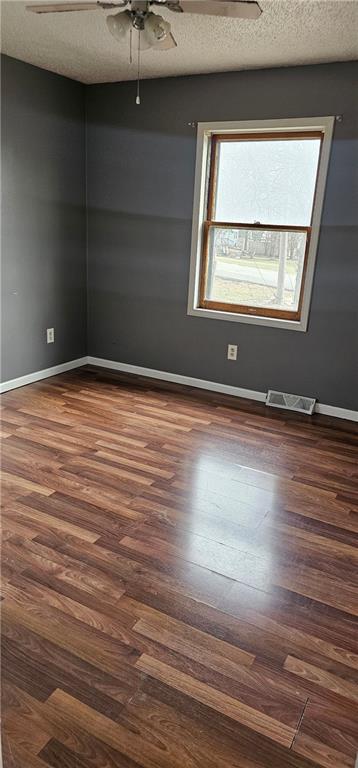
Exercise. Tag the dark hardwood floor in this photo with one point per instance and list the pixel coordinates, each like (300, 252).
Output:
(179, 577)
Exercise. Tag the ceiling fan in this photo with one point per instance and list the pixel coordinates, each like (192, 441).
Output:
(153, 31)
(156, 29)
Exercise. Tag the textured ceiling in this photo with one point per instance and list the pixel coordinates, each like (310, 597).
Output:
(289, 32)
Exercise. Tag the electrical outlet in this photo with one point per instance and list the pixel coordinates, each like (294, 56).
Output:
(50, 335)
(232, 351)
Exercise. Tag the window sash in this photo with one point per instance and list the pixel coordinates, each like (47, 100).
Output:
(218, 138)
(204, 303)
(210, 222)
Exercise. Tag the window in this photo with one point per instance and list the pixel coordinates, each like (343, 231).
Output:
(259, 195)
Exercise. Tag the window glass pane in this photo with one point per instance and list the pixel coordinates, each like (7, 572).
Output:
(272, 182)
(255, 267)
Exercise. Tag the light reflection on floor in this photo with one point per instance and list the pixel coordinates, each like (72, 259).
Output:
(225, 512)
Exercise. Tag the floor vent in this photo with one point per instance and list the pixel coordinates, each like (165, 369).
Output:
(290, 402)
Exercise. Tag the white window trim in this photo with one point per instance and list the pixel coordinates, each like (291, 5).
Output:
(204, 132)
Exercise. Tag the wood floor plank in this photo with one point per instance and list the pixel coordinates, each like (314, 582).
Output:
(134, 745)
(217, 700)
(39, 522)
(223, 625)
(250, 569)
(68, 731)
(38, 666)
(328, 757)
(179, 579)
(346, 688)
(26, 735)
(108, 654)
(329, 734)
(58, 755)
(296, 614)
(16, 756)
(20, 485)
(197, 645)
(187, 579)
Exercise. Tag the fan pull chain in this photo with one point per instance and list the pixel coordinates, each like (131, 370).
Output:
(130, 46)
(137, 101)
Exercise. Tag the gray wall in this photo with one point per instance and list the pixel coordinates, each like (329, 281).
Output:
(140, 196)
(43, 219)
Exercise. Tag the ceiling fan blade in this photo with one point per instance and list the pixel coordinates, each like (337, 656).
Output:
(66, 7)
(166, 44)
(62, 7)
(172, 5)
(239, 9)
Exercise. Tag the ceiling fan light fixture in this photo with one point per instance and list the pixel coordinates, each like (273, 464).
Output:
(119, 24)
(156, 29)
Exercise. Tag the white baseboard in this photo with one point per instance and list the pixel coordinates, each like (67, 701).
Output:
(175, 378)
(21, 381)
(212, 386)
(339, 413)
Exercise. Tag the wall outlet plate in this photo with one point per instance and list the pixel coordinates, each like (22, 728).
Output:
(50, 335)
(232, 351)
